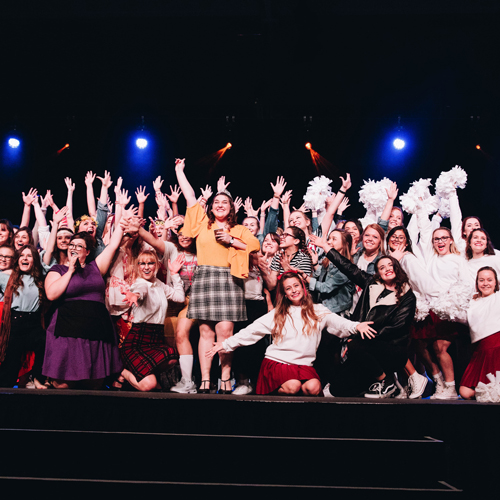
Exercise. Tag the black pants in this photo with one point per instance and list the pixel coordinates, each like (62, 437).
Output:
(26, 334)
(366, 361)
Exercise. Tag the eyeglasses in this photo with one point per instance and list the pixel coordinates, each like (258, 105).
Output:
(284, 235)
(6, 257)
(147, 263)
(398, 238)
(71, 246)
(444, 239)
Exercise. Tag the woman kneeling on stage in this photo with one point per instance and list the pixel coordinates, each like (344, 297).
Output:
(144, 352)
(295, 326)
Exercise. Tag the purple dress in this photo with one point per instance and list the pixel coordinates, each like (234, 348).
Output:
(70, 358)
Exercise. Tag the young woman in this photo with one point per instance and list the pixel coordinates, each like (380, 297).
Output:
(144, 352)
(479, 253)
(217, 297)
(483, 317)
(23, 236)
(447, 267)
(22, 330)
(56, 251)
(186, 247)
(333, 289)
(295, 327)
(82, 347)
(354, 228)
(389, 302)
(6, 233)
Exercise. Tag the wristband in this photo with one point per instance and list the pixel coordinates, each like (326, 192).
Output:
(343, 192)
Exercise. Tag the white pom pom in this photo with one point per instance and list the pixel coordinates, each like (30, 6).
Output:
(423, 307)
(447, 182)
(488, 393)
(373, 195)
(317, 192)
(419, 195)
(444, 208)
(452, 304)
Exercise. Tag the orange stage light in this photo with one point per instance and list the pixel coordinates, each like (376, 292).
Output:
(229, 145)
(308, 145)
(478, 146)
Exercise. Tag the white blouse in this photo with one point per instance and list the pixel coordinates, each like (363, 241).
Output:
(295, 347)
(152, 303)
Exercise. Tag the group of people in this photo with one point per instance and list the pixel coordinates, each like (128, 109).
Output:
(319, 306)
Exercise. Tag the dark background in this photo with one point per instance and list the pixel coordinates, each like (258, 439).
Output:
(84, 72)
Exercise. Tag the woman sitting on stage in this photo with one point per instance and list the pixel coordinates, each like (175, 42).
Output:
(387, 301)
(145, 353)
(483, 317)
(295, 326)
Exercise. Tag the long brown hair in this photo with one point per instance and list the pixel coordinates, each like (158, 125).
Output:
(345, 251)
(14, 284)
(283, 305)
(489, 250)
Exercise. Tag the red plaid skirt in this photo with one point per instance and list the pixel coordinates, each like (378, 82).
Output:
(273, 375)
(485, 359)
(145, 351)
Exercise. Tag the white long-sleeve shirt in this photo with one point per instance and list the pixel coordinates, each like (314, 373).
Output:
(153, 299)
(295, 347)
(483, 317)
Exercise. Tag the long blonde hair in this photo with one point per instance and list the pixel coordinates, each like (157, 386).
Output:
(283, 304)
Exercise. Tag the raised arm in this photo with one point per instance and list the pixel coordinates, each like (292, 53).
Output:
(104, 259)
(334, 204)
(141, 195)
(51, 242)
(174, 198)
(186, 188)
(89, 181)
(69, 200)
(28, 200)
(392, 193)
(285, 204)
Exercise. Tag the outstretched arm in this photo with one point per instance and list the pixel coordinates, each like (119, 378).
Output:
(334, 204)
(69, 201)
(28, 200)
(89, 181)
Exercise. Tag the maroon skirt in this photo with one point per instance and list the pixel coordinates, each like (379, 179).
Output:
(273, 375)
(145, 351)
(434, 328)
(485, 359)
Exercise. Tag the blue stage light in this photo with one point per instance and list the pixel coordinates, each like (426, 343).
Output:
(14, 143)
(398, 143)
(141, 143)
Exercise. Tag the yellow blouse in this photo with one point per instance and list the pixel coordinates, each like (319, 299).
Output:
(212, 253)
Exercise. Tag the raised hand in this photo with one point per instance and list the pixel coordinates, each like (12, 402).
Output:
(141, 195)
(175, 266)
(106, 180)
(180, 164)
(238, 203)
(206, 193)
(30, 197)
(118, 186)
(286, 197)
(47, 201)
(89, 178)
(174, 194)
(392, 192)
(265, 205)
(248, 207)
(346, 183)
(279, 187)
(69, 184)
(344, 205)
(221, 184)
(122, 198)
(58, 216)
(302, 208)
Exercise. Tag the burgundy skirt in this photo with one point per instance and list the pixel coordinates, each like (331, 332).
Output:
(273, 375)
(435, 328)
(145, 351)
(485, 359)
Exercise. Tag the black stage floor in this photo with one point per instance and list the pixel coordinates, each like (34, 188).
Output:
(128, 443)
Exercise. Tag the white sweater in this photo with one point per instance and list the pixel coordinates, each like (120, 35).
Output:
(295, 347)
(483, 317)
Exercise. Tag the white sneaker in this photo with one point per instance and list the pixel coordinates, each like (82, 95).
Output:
(448, 392)
(403, 393)
(326, 391)
(185, 386)
(417, 384)
(243, 390)
(438, 388)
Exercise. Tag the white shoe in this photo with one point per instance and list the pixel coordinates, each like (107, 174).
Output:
(448, 392)
(185, 386)
(326, 391)
(416, 384)
(438, 388)
(243, 390)
(403, 393)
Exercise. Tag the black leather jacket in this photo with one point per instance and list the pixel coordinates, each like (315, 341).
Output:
(391, 319)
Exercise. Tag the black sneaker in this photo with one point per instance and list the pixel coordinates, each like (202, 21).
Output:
(382, 389)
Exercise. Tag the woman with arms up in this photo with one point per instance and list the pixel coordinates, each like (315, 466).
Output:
(217, 298)
(81, 347)
(295, 327)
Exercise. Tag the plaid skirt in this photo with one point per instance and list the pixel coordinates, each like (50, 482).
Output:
(144, 351)
(216, 295)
